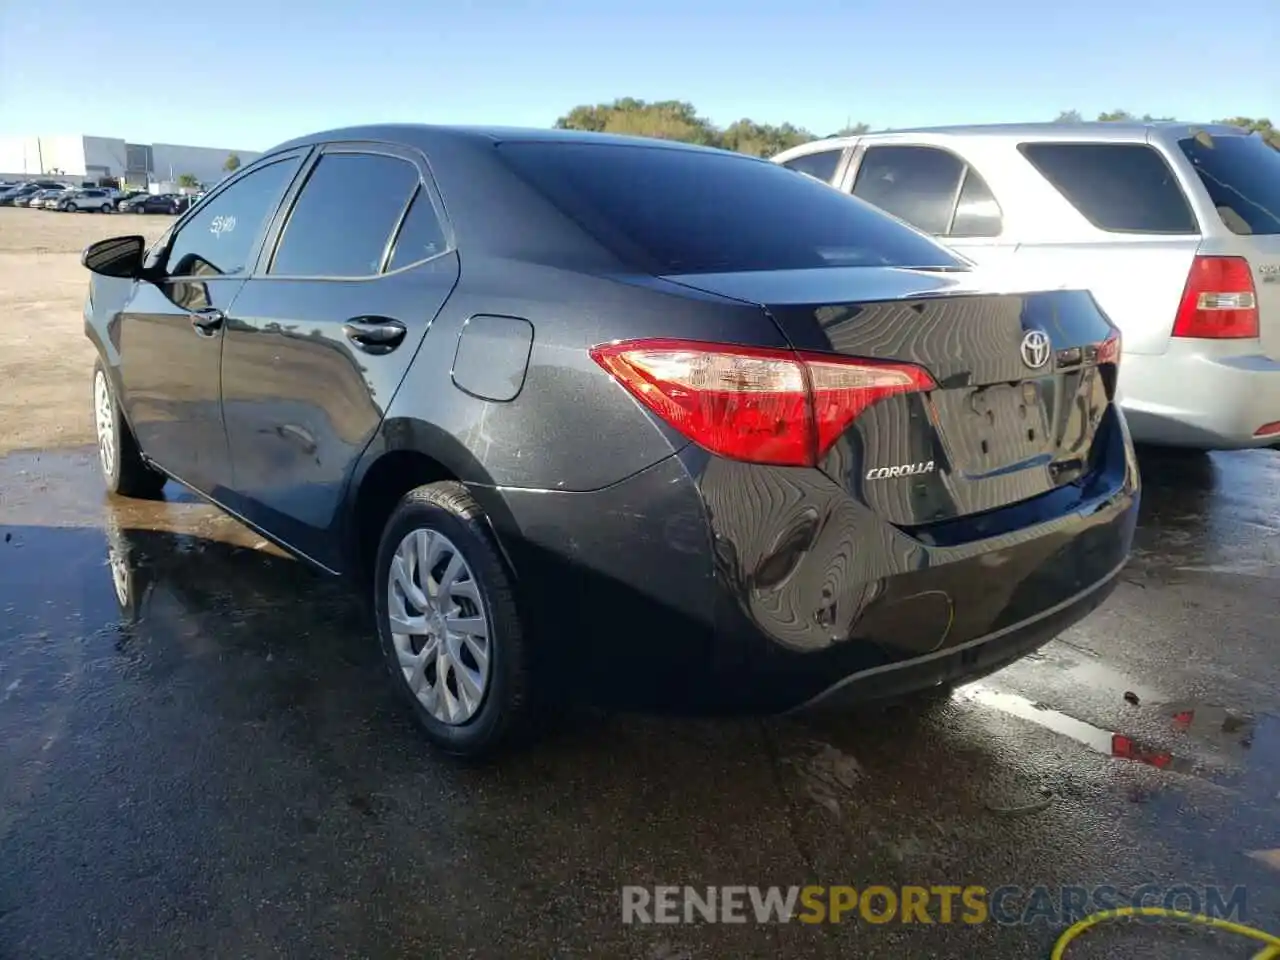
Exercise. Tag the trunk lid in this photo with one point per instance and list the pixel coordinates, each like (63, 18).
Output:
(1020, 393)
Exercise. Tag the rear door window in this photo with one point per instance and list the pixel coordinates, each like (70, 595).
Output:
(342, 221)
(421, 235)
(915, 184)
(1242, 177)
(821, 166)
(977, 212)
(1117, 187)
(671, 210)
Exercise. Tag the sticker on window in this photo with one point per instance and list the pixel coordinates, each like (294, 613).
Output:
(221, 225)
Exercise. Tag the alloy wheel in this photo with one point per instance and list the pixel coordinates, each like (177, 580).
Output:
(438, 626)
(104, 420)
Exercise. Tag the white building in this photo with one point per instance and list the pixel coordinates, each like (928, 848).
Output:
(79, 157)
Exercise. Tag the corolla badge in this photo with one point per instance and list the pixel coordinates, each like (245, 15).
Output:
(1035, 349)
(901, 470)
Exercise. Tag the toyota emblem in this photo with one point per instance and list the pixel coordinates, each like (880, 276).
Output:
(1035, 349)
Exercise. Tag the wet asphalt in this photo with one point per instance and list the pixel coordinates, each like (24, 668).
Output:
(200, 757)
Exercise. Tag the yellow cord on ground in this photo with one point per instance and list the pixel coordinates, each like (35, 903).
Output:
(1272, 951)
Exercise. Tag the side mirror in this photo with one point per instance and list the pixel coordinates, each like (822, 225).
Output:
(116, 257)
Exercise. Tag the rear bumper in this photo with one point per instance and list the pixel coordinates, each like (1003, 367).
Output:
(969, 661)
(706, 585)
(874, 613)
(1199, 395)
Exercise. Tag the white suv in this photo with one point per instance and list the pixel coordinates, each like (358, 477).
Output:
(100, 199)
(1175, 228)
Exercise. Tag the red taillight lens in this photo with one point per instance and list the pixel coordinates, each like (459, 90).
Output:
(842, 389)
(1219, 301)
(755, 404)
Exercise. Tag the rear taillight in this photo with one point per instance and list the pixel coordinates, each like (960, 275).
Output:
(754, 404)
(1219, 301)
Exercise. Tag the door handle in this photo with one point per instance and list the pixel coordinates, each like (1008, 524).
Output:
(374, 334)
(208, 321)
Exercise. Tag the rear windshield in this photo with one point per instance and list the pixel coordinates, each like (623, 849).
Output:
(1242, 175)
(1117, 187)
(689, 211)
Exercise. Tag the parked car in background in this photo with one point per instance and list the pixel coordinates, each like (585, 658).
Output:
(40, 199)
(21, 192)
(1175, 228)
(52, 199)
(732, 440)
(24, 192)
(98, 200)
(170, 203)
(127, 197)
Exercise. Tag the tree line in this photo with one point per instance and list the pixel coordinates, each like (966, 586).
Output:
(679, 120)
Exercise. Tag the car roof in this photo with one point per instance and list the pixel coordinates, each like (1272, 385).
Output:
(1089, 131)
(424, 136)
(1084, 131)
(1092, 129)
(491, 209)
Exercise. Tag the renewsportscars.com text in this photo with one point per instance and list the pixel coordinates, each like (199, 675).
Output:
(939, 904)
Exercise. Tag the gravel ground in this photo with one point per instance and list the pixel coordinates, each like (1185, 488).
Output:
(43, 351)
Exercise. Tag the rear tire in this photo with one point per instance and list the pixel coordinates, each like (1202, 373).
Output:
(461, 660)
(123, 469)
(105, 208)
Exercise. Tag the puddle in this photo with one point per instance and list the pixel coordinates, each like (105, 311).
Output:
(1207, 741)
(1208, 514)
(82, 570)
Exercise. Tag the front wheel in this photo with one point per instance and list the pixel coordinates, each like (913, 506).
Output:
(105, 208)
(448, 625)
(123, 468)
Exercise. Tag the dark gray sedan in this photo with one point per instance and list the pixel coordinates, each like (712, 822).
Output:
(590, 416)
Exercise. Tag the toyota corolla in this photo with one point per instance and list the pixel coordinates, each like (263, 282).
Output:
(589, 416)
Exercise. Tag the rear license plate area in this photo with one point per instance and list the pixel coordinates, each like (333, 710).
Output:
(989, 428)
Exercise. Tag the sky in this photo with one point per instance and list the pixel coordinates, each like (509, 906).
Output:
(247, 74)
